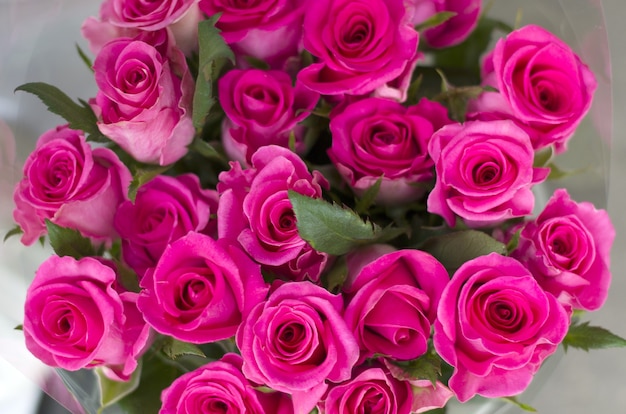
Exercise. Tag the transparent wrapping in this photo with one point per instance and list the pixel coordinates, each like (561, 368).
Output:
(37, 43)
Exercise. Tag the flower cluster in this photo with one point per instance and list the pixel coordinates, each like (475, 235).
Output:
(202, 230)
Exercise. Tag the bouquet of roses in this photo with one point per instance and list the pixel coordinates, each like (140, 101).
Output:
(292, 206)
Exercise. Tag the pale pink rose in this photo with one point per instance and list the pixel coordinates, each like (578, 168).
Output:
(296, 342)
(70, 184)
(142, 103)
(453, 31)
(165, 209)
(220, 384)
(410, 282)
(262, 108)
(74, 318)
(484, 173)
(376, 139)
(200, 289)
(495, 325)
(269, 30)
(567, 249)
(128, 18)
(541, 83)
(254, 210)
(360, 45)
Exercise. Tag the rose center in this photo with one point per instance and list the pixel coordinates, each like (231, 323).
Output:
(193, 292)
(65, 323)
(287, 221)
(291, 335)
(373, 402)
(486, 173)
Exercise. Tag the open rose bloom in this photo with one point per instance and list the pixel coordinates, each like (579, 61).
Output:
(330, 206)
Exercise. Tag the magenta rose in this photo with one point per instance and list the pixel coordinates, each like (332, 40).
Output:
(128, 18)
(360, 45)
(296, 341)
(255, 211)
(269, 30)
(165, 209)
(495, 325)
(72, 185)
(408, 281)
(484, 173)
(373, 389)
(380, 139)
(567, 248)
(200, 289)
(454, 30)
(142, 103)
(262, 108)
(75, 318)
(220, 386)
(542, 84)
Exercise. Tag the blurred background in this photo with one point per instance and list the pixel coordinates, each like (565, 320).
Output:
(37, 39)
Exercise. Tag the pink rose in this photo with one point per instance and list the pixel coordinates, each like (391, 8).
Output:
(374, 389)
(484, 173)
(262, 108)
(128, 18)
(70, 184)
(255, 211)
(361, 45)
(453, 31)
(410, 282)
(567, 248)
(200, 289)
(495, 325)
(220, 385)
(165, 209)
(542, 84)
(296, 341)
(142, 104)
(376, 138)
(74, 318)
(269, 30)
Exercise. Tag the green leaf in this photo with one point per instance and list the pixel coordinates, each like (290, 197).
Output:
(543, 157)
(426, 367)
(127, 277)
(414, 87)
(69, 242)
(113, 391)
(213, 55)
(292, 141)
(19, 327)
(436, 411)
(512, 244)
(207, 150)
(15, 231)
(337, 274)
(156, 375)
(454, 249)
(514, 401)
(174, 349)
(466, 56)
(330, 228)
(257, 63)
(557, 172)
(142, 176)
(368, 197)
(83, 56)
(585, 337)
(435, 20)
(79, 117)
